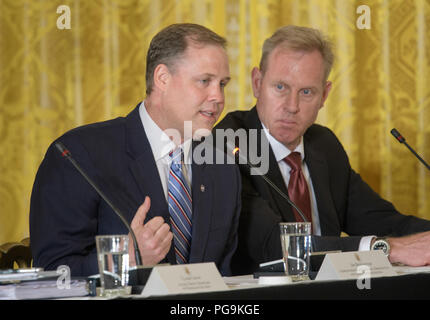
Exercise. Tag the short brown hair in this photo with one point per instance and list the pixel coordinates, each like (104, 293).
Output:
(299, 39)
(170, 43)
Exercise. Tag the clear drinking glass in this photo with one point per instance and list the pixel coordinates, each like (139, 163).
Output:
(296, 245)
(113, 260)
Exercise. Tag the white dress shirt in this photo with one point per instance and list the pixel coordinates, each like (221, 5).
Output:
(161, 146)
(281, 151)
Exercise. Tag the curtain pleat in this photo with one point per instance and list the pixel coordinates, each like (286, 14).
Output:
(52, 80)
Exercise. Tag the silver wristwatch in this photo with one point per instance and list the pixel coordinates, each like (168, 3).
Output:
(381, 244)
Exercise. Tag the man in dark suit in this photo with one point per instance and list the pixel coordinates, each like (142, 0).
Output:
(291, 86)
(131, 160)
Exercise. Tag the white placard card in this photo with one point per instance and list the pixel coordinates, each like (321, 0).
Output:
(184, 278)
(353, 265)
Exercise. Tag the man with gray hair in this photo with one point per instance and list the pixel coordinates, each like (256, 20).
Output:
(308, 162)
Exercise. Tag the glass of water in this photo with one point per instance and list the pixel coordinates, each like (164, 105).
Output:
(296, 245)
(112, 253)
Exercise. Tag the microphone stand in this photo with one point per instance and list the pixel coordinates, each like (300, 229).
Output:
(401, 139)
(236, 150)
(140, 274)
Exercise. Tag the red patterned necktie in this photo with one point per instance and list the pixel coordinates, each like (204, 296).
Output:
(298, 187)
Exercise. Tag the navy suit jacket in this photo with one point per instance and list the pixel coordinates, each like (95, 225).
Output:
(66, 213)
(345, 202)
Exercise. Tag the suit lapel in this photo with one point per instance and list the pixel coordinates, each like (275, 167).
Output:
(144, 170)
(282, 207)
(319, 172)
(202, 190)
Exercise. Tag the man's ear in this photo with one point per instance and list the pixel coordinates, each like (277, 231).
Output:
(256, 77)
(161, 77)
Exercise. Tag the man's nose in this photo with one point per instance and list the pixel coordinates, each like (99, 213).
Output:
(291, 103)
(216, 94)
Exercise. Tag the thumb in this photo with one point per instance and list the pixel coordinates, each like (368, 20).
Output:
(139, 217)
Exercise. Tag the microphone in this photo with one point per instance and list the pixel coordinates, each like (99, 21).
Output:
(66, 154)
(401, 139)
(236, 151)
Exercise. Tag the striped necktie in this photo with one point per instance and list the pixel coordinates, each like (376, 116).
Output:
(180, 208)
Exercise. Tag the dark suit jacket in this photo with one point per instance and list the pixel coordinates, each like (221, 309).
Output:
(66, 213)
(345, 202)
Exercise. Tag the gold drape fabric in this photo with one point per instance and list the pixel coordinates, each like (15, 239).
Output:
(52, 80)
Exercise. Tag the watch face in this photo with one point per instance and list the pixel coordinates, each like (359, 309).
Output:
(381, 245)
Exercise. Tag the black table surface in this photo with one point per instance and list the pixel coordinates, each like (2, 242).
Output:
(411, 286)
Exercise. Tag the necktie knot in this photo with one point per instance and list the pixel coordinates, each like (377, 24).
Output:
(176, 157)
(294, 160)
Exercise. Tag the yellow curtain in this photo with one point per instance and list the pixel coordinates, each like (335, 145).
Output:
(54, 79)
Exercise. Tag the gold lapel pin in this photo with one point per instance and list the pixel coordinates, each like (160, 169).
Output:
(202, 188)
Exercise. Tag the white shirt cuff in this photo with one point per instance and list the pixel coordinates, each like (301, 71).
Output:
(365, 243)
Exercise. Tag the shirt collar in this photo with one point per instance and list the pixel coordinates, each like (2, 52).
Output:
(281, 151)
(160, 142)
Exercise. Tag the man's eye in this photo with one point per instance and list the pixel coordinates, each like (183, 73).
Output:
(204, 81)
(307, 91)
(222, 84)
(280, 86)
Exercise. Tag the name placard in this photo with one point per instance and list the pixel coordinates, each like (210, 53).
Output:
(355, 265)
(184, 278)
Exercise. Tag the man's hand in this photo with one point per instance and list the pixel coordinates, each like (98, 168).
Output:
(413, 250)
(154, 237)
